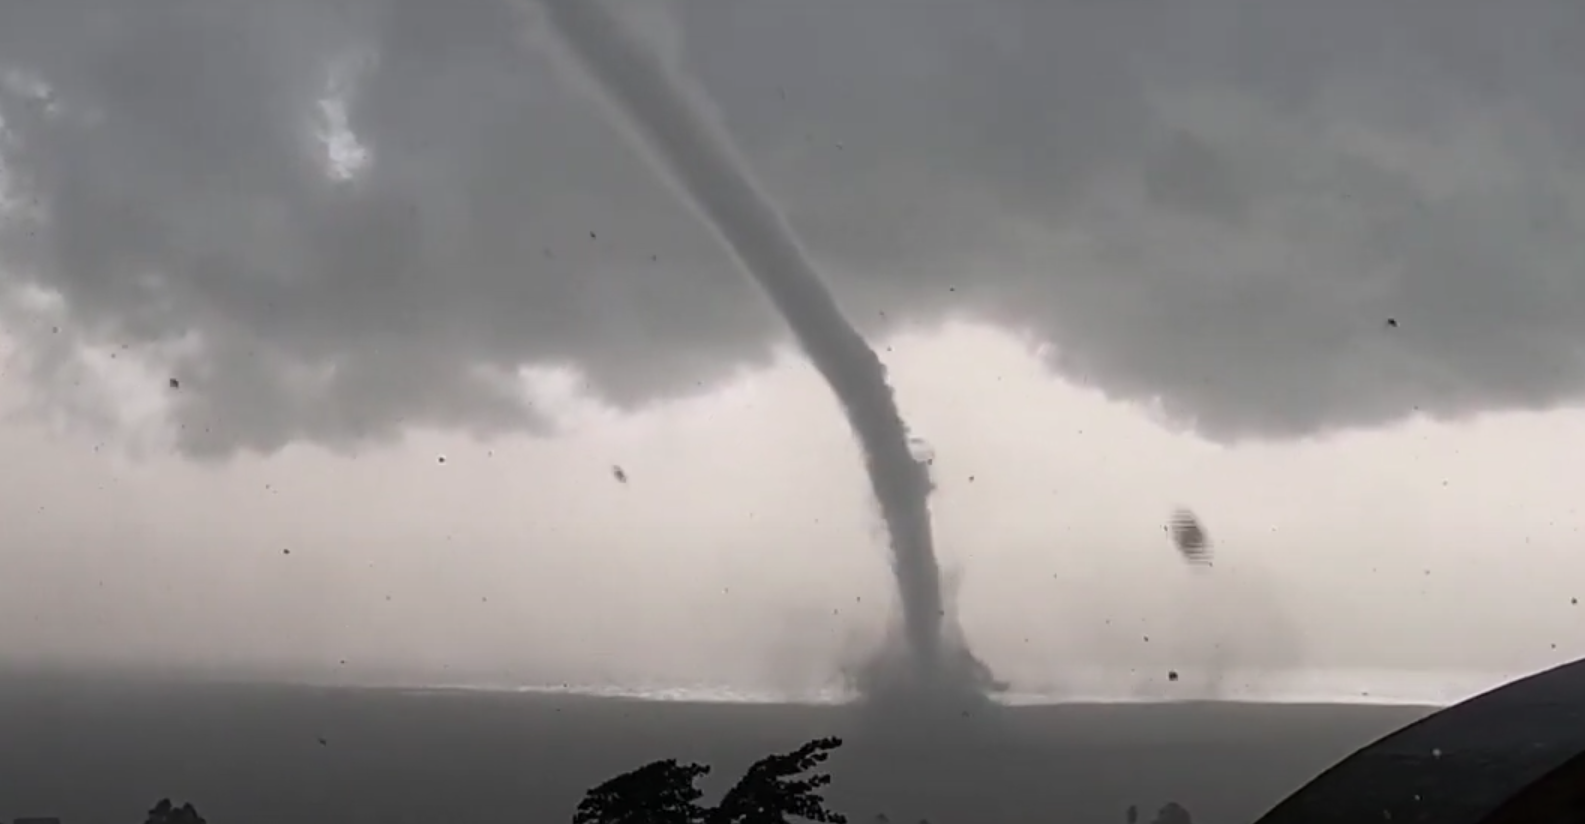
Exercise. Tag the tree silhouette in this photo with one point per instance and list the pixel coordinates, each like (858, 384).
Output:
(660, 792)
(165, 813)
(774, 790)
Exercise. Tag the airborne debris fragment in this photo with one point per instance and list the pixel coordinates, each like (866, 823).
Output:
(1189, 537)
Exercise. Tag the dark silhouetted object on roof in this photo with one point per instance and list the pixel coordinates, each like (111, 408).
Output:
(777, 789)
(1514, 754)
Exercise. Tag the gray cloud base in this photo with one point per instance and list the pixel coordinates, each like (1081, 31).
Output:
(1214, 207)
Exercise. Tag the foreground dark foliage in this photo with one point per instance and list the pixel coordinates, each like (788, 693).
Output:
(777, 789)
(661, 792)
(166, 813)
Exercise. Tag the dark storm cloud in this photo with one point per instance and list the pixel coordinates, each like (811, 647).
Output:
(1216, 206)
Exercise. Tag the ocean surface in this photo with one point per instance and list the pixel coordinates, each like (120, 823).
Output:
(104, 750)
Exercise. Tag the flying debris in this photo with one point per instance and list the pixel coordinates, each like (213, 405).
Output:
(619, 474)
(1189, 537)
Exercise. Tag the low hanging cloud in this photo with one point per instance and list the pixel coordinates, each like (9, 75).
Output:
(337, 219)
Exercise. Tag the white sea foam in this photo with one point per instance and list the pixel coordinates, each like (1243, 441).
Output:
(1343, 686)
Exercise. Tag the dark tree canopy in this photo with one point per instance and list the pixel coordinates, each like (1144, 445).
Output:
(777, 789)
(166, 813)
(660, 792)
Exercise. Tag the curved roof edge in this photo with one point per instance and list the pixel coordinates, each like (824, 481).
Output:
(1460, 765)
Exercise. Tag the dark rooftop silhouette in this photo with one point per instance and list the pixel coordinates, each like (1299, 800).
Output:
(1511, 748)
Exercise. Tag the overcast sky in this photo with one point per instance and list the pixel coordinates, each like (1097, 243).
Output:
(1310, 269)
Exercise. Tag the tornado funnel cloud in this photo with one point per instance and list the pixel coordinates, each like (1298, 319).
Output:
(673, 125)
